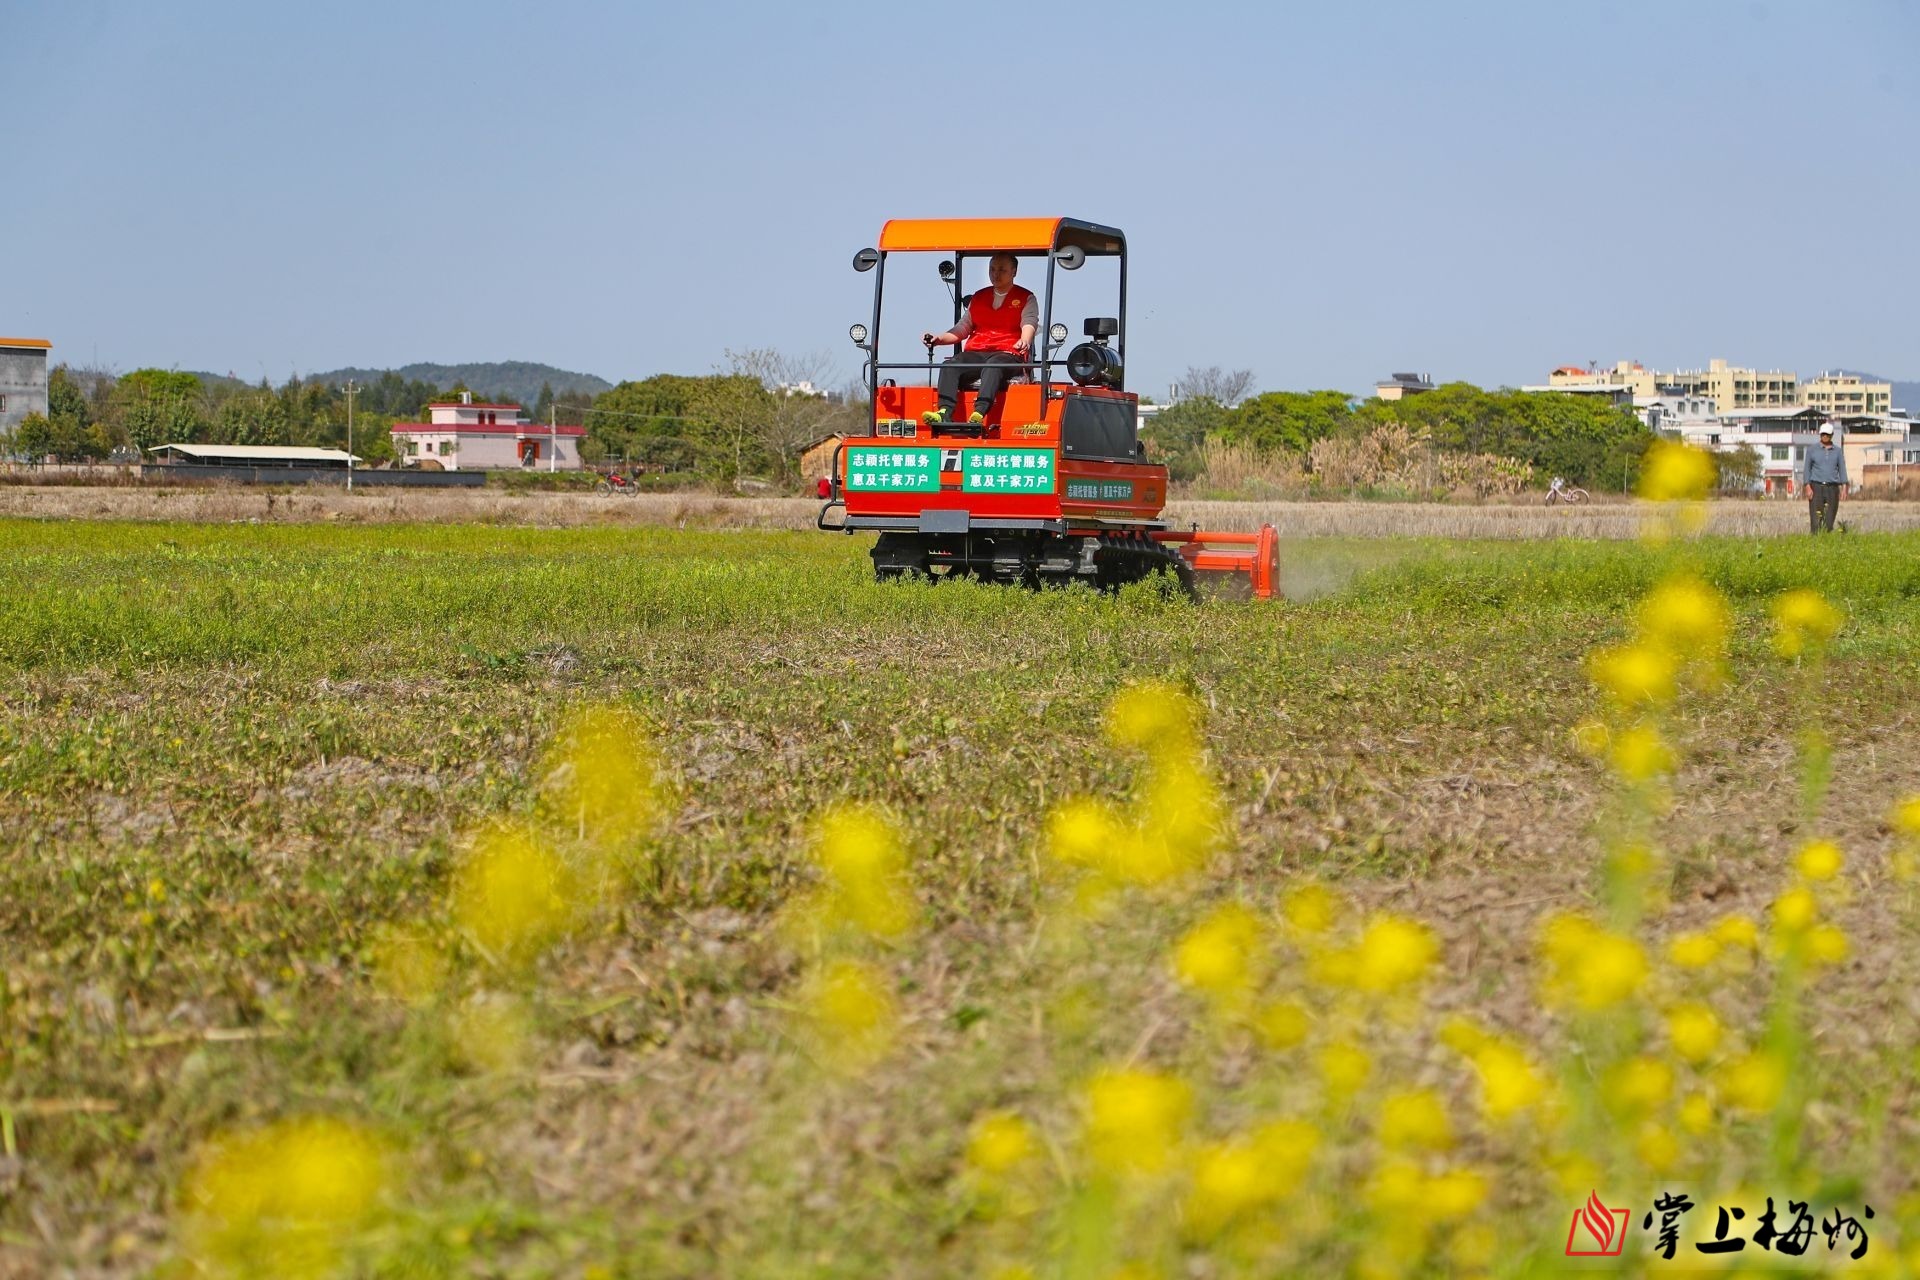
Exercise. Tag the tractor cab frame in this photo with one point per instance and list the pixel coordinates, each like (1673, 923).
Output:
(1055, 485)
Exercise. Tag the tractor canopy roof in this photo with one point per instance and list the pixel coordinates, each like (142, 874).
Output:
(1013, 235)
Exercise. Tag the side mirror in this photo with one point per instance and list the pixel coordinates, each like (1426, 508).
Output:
(866, 260)
(1071, 258)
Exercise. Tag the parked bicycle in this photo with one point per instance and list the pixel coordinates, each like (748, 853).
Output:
(617, 483)
(1561, 491)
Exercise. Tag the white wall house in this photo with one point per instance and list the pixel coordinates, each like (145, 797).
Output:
(464, 436)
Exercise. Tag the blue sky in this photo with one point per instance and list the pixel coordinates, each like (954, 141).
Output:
(1322, 193)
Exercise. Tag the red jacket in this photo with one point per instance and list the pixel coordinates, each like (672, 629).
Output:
(996, 328)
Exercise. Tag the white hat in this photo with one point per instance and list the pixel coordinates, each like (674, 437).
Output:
(1826, 428)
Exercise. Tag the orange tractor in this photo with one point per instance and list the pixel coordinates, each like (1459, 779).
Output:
(1053, 485)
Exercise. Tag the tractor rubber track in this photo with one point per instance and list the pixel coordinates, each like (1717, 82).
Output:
(1125, 558)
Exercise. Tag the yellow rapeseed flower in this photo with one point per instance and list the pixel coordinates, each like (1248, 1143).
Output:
(1803, 621)
(1311, 907)
(1394, 952)
(1152, 717)
(1589, 967)
(1286, 1150)
(1509, 1083)
(512, 896)
(1687, 618)
(1220, 955)
(1454, 1194)
(1081, 833)
(1656, 1147)
(1906, 816)
(1696, 1113)
(1827, 944)
(850, 1014)
(1344, 1068)
(1693, 950)
(1640, 754)
(1737, 931)
(865, 862)
(1135, 1119)
(602, 774)
(1693, 1030)
(1819, 860)
(1795, 911)
(1635, 675)
(1415, 1120)
(1637, 1085)
(1227, 1179)
(1282, 1024)
(1000, 1140)
(282, 1200)
(1676, 472)
(1753, 1082)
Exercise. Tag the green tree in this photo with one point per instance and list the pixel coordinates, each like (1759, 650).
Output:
(1177, 435)
(1287, 419)
(65, 399)
(158, 406)
(253, 416)
(1738, 469)
(544, 405)
(33, 437)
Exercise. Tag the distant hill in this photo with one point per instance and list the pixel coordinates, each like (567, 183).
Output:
(518, 380)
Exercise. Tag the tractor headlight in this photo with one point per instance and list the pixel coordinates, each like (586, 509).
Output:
(1090, 364)
(1058, 333)
(859, 335)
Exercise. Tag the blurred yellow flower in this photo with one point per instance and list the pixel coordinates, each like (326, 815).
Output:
(1589, 967)
(282, 1200)
(866, 866)
(1737, 931)
(1454, 1194)
(1906, 816)
(1639, 754)
(1656, 1147)
(1227, 1179)
(1282, 1024)
(1637, 1085)
(1693, 1030)
(1219, 956)
(851, 1014)
(1795, 911)
(1399, 1189)
(1344, 1069)
(1152, 717)
(1634, 675)
(1675, 472)
(1819, 860)
(1687, 618)
(1693, 950)
(1827, 944)
(1509, 1083)
(407, 963)
(601, 773)
(1753, 1082)
(1134, 1119)
(1803, 620)
(1415, 1120)
(1081, 832)
(1311, 907)
(1696, 1113)
(1394, 952)
(512, 896)
(1000, 1140)
(1286, 1150)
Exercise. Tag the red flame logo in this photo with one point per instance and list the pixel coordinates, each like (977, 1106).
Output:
(1595, 1225)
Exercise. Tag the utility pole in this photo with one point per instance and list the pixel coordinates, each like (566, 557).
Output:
(351, 388)
(553, 433)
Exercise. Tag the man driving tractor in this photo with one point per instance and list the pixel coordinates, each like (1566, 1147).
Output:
(998, 331)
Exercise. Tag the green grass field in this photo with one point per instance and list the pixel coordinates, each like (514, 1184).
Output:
(234, 761)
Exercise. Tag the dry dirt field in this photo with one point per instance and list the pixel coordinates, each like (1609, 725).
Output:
(224, 504)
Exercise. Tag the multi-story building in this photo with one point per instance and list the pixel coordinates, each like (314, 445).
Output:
(1844, 395)
(1734, 388)
(23, 380)
(1626, 373)
(465, 435)
(1402, 385)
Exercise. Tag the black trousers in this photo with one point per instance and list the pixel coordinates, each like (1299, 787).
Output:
(1822, 507)
(987, 368)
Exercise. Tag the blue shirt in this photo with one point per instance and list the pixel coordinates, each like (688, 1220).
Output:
(1826, 464)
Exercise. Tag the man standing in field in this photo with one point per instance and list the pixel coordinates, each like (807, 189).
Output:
(1826, 476)
(998, 330)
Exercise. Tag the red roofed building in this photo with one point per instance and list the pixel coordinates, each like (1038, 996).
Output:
(465, 436)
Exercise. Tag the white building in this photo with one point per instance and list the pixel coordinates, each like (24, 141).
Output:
(466, 436)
